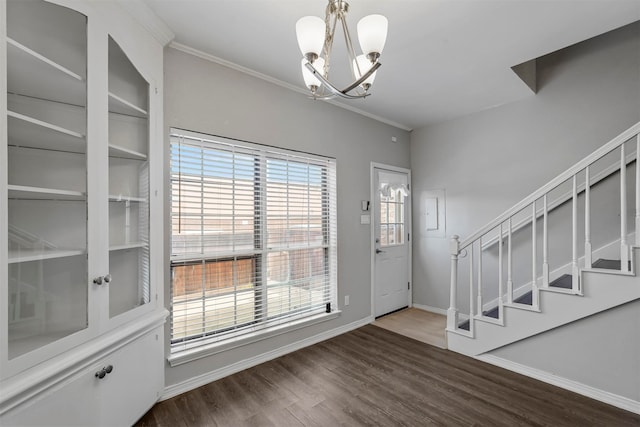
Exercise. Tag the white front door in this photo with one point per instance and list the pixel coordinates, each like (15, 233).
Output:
(392, 210)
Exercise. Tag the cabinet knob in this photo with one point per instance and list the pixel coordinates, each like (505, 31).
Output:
(104, 371)
(102, 279)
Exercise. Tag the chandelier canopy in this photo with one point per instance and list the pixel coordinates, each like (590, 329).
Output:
(315, 38)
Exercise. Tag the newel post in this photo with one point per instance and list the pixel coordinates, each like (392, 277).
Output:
(452, 313)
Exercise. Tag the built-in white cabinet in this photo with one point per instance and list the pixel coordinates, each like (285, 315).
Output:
(81, 272)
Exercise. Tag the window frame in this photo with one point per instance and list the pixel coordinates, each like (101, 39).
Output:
(265, 325)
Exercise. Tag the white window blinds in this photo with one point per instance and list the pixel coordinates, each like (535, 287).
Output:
(253, 240)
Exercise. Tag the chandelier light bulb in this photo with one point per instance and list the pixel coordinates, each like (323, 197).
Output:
(310, 80)
(363, 63)
(310, 31)
(372, 35)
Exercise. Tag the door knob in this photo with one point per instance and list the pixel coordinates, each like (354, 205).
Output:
(379, 251)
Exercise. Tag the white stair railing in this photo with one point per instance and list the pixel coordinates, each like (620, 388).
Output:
(459, 248)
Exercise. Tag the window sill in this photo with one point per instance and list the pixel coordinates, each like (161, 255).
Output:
(205, 350)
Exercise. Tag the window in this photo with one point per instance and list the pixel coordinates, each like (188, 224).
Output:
(392, 217)
(253, 241)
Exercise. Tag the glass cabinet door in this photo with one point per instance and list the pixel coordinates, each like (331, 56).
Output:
(128, 184)
(47, 174)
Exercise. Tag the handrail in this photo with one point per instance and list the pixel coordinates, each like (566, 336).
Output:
(593, 157)
(563, 198)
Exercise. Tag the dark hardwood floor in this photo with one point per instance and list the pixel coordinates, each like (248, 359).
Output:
(372, 376)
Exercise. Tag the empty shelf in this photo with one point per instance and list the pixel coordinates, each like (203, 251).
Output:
(26, 255)
(32, 74)
(125, 246)
(118, 151)
(39, 193)
(122, 106)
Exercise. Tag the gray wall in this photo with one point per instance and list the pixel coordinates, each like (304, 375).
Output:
(205, 97)
(488, 161)
(601, 351)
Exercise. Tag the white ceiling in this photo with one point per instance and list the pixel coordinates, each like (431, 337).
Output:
(443, 58)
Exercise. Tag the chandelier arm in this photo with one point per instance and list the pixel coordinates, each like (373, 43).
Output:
(331, 88)
(350, 51)
(362, 79)
(328, 40)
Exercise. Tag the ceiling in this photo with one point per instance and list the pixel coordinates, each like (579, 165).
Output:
(443, 58)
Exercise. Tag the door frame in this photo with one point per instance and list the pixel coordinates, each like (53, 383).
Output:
(409, 230)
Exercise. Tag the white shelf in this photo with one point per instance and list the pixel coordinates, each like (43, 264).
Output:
(120, 198)
(38, 193)
(125, 246)
(25, 131)
(122, 106)
(32, 74)
(118, 151)
(21, 345)
(26, 255)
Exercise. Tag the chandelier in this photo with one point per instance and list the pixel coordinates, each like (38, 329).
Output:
(315, 38)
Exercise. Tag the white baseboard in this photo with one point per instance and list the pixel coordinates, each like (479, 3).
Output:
(567, 384)
(435, 310)
(200, 380)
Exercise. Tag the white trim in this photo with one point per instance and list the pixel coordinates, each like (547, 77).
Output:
(206, 350)
(430, 309)
(565, 383)
(408, 211)
(602, 252)
(217, 60)
(200, 380)
(148, 19)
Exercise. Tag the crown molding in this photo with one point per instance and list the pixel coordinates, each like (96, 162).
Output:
(148, 19)
(208, 57)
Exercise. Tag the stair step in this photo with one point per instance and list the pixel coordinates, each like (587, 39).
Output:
(526, 299)
(565, 281)
(609, 264)
(493, 313)
(527, 307)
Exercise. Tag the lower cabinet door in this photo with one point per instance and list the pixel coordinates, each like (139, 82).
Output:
(135, 381)
(73, 403)
(116, 390)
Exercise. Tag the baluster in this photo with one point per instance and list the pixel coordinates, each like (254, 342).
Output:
(509, 265)
(638, 190)
(500, 286)
(471, 296)
(480, 310)
(624, 248)
(575, 272)
(452, 312)
(588, 261)
(534, 254)
(545, 243)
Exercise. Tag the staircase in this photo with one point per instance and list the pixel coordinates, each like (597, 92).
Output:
(487, 269)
